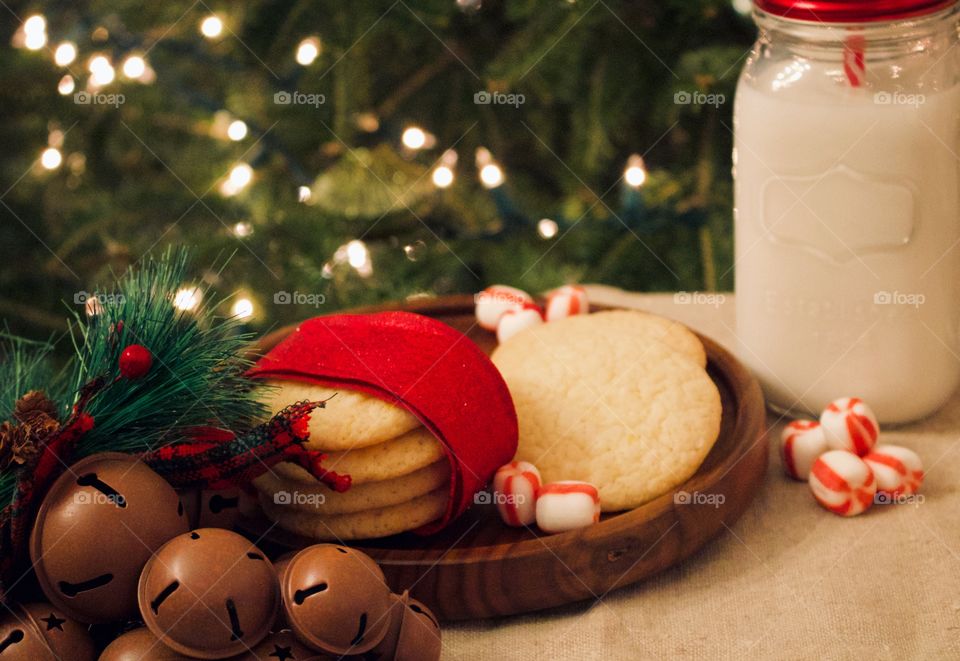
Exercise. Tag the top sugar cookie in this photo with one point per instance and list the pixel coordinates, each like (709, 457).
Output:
(618, 399)
(616, 325)
(351, 419)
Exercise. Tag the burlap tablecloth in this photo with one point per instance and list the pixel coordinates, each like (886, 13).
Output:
(787, 581)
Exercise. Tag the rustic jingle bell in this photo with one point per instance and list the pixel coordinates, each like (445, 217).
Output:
(209, 594)
(69, 640)
(336, 599)
(42, 632)
(280, 565)
(19, 640)
(95, 530)
(212, 509)
(282, 646)
(419, 633)
(140, 645)
(414, 633)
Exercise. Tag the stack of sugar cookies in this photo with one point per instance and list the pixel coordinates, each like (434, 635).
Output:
(399, 475)
(416, 421)
(618, 399)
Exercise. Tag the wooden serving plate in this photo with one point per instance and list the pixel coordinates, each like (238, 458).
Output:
(480, 568)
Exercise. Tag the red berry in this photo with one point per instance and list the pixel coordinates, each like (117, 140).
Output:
(135, 361)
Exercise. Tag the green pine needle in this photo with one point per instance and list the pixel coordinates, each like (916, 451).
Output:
(196, 378)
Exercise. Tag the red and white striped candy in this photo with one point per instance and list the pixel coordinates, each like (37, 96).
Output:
(843, 483)
(566, 301)
(493, 301)
(849, 424)
(899, 470)
(517, 319)
(801, 442)
(567, 505)
(515, 487)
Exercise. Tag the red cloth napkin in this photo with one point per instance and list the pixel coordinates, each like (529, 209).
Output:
(419, 364)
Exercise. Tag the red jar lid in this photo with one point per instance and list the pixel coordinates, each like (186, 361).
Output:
(851, 11)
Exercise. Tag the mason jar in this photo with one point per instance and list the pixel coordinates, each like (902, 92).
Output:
(847, 212)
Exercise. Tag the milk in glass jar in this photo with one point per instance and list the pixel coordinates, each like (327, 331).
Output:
(847, 211)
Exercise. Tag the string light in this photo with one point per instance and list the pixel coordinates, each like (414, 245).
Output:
(35, 32)
(242, 230)
(367, 121)
(187, 298)
(240, 176)
(101, 71)
(491, 175)
(547, 228)
(303, 194)
(134, 67)
(242, 308)
(211, 27)
(308, 50)
(237, 130)
(65, 54)
(357, 255)
(635, 173)
(51, 158)
(414, 138)
(443, 174)
(66, 85)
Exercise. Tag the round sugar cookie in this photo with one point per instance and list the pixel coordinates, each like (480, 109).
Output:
(621, 325)
(633, 417)
(368, 524)
(319, 498)
(350, 419)
(383, 461)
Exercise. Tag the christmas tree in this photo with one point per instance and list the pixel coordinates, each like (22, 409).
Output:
(349, 153)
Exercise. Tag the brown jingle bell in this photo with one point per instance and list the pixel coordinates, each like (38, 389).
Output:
(95, 530)
(212, 509)
(282, 646)
(140, 645)
(42, 632)
(209, 594)
(336, 599)
(280, 565)
(414, 633)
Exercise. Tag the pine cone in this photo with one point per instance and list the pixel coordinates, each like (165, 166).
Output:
(40, 429)
(15, 446)
(34, 404)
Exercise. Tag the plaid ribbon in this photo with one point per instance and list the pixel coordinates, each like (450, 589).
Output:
(218, 459)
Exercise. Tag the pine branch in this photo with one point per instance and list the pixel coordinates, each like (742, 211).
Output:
(197, 375)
